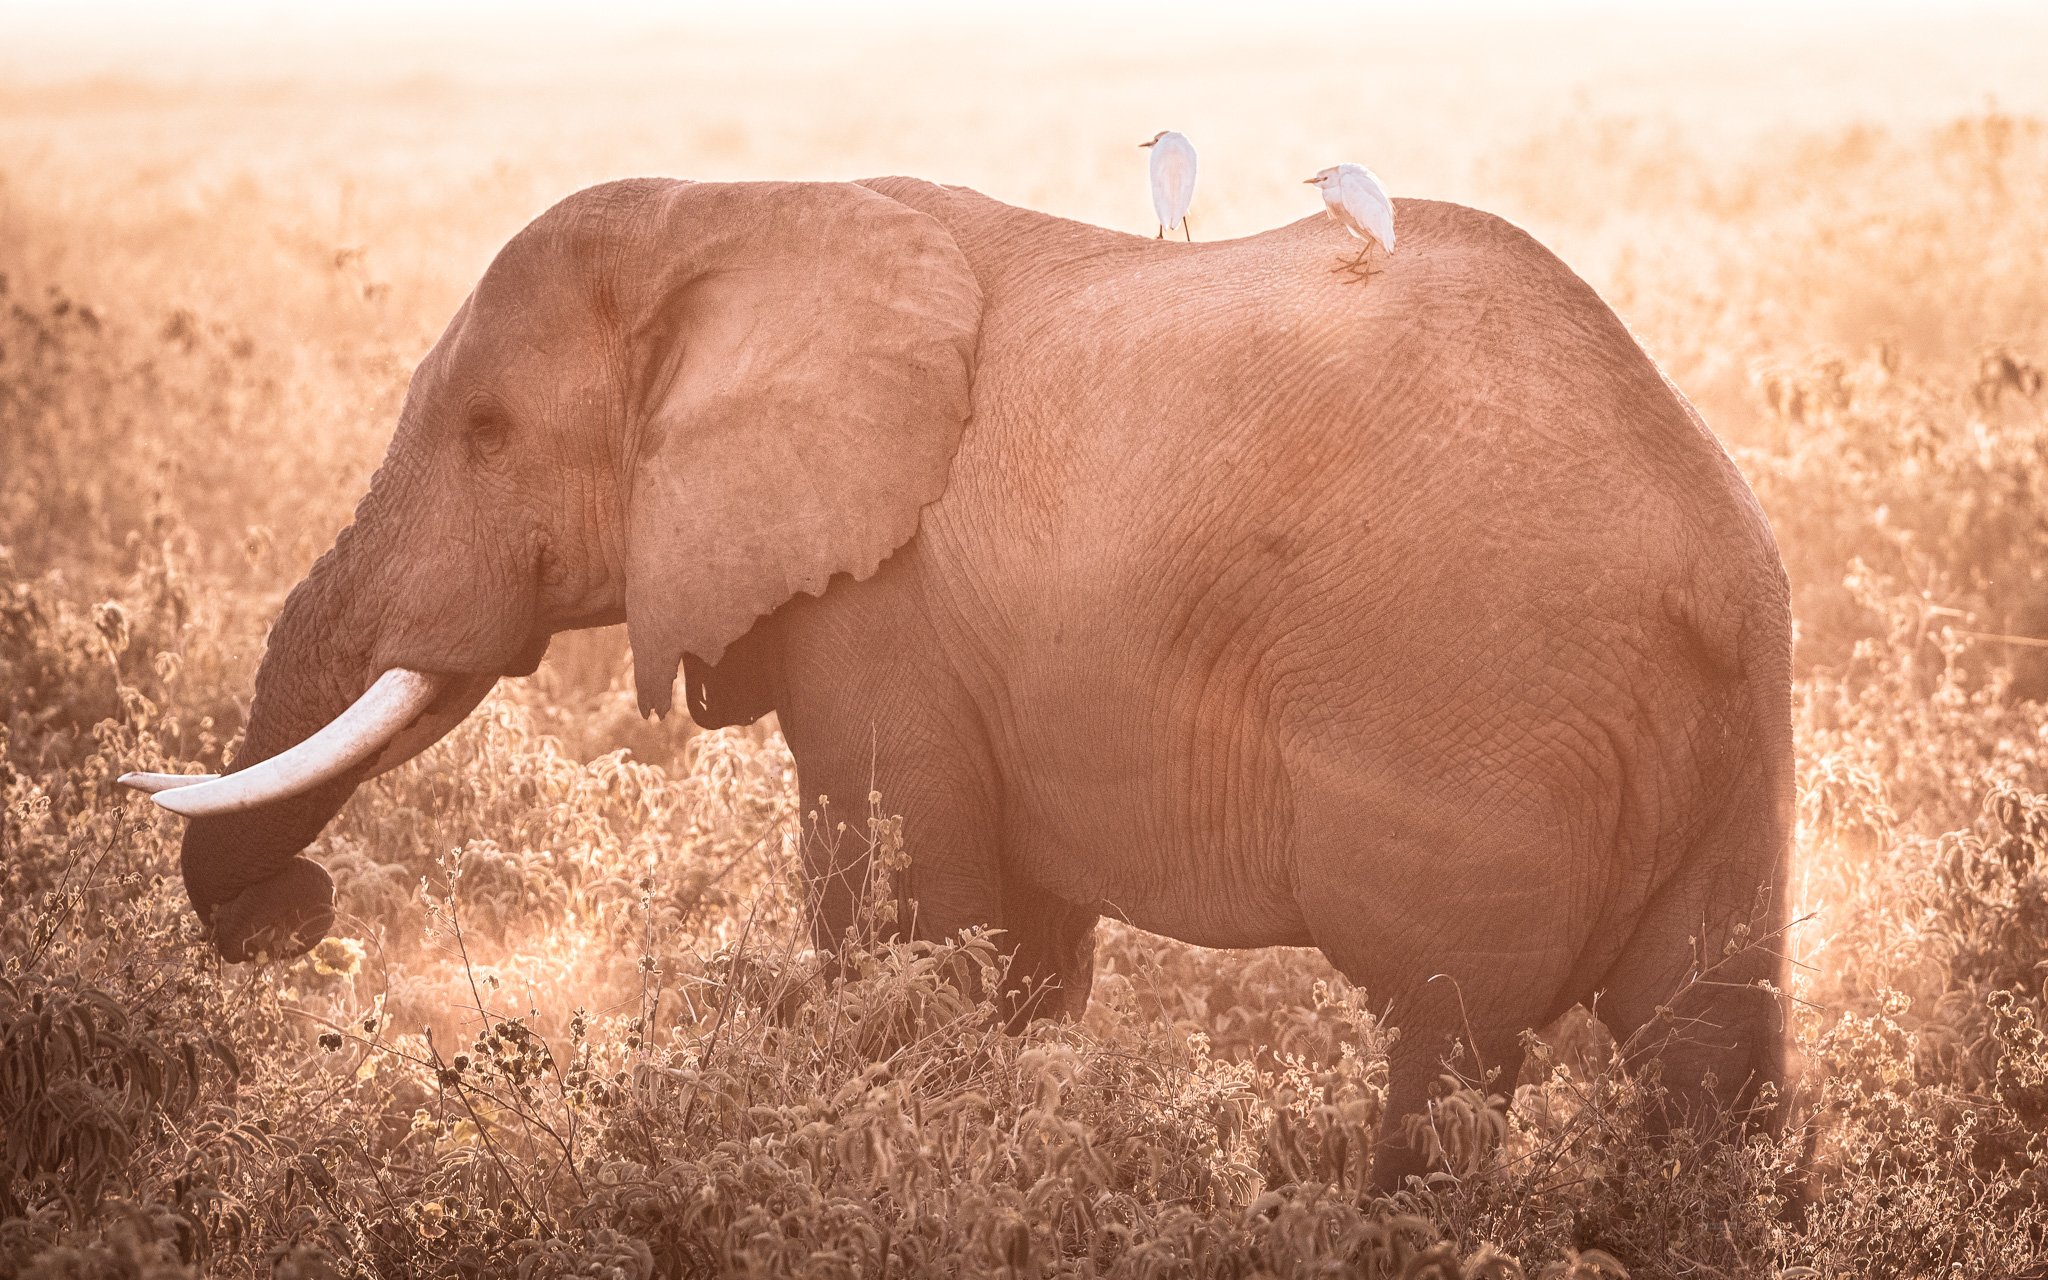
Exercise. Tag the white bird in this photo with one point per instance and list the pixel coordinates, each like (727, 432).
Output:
(1354, 197)
(1173, 181)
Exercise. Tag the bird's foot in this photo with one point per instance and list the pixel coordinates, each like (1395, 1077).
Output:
(1360, 268)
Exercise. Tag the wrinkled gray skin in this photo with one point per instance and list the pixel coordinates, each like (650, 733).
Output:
(1421, 621)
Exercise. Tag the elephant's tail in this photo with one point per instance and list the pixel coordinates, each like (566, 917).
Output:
(1735, 622)
(1739, 866)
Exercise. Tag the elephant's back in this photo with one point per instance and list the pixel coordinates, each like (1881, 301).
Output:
(1473, 393)
(1491, 490)
(1150, 415)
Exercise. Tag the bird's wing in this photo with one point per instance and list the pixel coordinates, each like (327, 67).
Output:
(1162, 197)
(1367, 203)
(1173, 169)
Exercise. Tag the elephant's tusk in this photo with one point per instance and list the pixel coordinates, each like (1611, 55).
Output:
(151, 783)
(392, 703)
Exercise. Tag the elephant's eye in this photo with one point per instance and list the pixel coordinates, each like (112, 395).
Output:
(487, 433)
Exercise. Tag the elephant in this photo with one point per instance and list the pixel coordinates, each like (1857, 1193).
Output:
(1424, 622)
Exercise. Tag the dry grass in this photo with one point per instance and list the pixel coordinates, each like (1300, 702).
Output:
(568, 1026)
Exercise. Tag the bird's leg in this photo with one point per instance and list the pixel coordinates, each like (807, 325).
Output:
(1187, 228)
(1358, 268)
(1162, 232)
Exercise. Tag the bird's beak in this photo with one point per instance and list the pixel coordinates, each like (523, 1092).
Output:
(1143, 145)
(1309, 182)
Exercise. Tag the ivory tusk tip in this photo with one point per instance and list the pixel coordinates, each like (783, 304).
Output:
(153, 783)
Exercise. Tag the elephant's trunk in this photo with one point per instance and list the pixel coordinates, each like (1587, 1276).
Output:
(240, 856)
(241, 868)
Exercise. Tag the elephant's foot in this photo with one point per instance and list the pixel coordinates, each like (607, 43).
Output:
(1417, 1135)
(1052, 954)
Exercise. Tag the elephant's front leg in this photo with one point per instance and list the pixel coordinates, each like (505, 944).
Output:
(1051, 943)
(921, 767)
(940, 781)
(869, 706)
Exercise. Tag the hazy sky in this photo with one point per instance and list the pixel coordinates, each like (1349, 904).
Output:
(1862, 56)
(77, 26)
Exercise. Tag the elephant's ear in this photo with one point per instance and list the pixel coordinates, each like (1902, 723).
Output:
(803, 354)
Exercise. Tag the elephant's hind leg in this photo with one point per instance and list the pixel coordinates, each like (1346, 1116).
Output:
(1440, 1035)
(1459, 951)
(1684, 990)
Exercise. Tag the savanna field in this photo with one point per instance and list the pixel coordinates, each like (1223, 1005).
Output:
(570, 1023)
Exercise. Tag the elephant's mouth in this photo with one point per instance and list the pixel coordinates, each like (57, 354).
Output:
(526, 660)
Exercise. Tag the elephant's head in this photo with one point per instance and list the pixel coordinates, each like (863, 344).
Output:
(671, 403)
